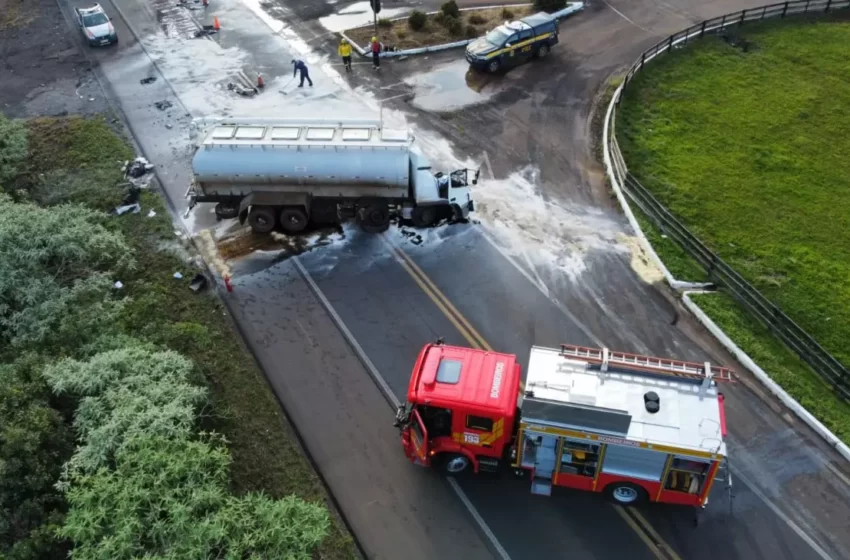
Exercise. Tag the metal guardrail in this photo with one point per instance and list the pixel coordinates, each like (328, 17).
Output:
(833, 371)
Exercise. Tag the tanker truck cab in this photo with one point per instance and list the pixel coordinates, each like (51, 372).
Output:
(461, 409)
(438, 196)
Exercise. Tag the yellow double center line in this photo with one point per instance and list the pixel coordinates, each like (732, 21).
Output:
(631, 516)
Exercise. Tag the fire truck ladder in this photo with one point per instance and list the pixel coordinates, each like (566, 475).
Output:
(706, 373)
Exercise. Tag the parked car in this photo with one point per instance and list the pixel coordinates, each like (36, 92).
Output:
(96, 26)
(513, 43)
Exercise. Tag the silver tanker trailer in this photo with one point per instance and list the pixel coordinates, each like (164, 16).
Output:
(288, 172)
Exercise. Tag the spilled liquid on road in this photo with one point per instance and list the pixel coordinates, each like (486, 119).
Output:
(451, 87)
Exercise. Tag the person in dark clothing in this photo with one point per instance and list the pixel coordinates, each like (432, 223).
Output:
(299, 66)
(376, 53)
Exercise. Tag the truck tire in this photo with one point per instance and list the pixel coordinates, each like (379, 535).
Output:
(454, 464)
(626, 493)
(374, 218)
(226, 210)
(261, 219)
(494, 66)
(543, 51)
(293, 219)
(424, 216)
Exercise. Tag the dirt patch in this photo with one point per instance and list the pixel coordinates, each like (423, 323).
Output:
(44, 71)
(13, 14)
(437, 29)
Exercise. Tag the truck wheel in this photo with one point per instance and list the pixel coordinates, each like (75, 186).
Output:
(374, 218)
(626, 493)
(261, 219)
(293, 219)
(226, 210)
(424, 216)
(543, 51)
(494, 65)
(454, 464)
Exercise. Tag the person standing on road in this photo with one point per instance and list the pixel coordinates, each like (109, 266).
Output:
(376, 53)
(345, 52)
(299, 66)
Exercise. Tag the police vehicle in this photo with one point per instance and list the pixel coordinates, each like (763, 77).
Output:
(96, 26)
(514, 42)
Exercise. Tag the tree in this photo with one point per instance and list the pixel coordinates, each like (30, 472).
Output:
(417, 20)
(123, 393)
(450, 9)
(168, 498)
(56, 275)
(13, 148)
(34, 442)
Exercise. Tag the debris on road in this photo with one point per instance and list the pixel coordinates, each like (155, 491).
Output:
(137, 168)
(205, 32)
(414, 237)
(198, 283)
(162, 105)
(148, 80)
(243, 91)
(134, 208)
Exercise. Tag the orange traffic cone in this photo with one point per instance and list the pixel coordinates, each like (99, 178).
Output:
(260, 83)
(216, 24)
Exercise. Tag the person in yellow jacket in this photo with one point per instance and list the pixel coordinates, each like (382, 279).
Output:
(345, 52)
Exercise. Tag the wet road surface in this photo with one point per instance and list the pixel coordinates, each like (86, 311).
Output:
(539, 114)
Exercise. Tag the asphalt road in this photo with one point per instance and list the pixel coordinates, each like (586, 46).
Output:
(791, 499)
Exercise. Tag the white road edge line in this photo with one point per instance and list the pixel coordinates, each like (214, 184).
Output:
(781, 515)
(625, 17)
(393, 400)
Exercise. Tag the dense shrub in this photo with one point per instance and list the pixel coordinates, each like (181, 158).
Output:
(34, 442)
(56, 275)
(417, 20)
(455, 27)
(476, 19)
(507, 14)
(471, 32)
(450, 9)
(384, 22)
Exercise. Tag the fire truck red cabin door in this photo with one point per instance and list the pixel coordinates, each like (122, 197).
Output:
(419, 440)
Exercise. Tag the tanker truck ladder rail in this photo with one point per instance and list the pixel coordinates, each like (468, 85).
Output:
(649, 364)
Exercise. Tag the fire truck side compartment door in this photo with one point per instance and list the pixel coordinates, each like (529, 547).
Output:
(419, 436)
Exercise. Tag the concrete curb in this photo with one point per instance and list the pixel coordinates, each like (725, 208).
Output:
(572, 8)
(700, 315)
(624, 204)
(764, 378)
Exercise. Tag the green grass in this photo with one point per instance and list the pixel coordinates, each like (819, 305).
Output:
(750, 150)
(780, 363)
(163, 310)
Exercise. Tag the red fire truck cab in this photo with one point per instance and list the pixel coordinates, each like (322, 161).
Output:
(636, 428)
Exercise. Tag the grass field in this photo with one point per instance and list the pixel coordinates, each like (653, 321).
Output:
(163, 310)
(474, 23)
(750, 150)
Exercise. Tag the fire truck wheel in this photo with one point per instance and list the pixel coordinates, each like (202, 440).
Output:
(261, 219)
(626, 493)
(454, 464)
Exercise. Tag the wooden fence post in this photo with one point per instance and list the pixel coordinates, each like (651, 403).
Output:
(784, 9)
(743, 15)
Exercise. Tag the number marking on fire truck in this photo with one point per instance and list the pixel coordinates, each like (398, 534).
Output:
(497, 380)
(471, 438)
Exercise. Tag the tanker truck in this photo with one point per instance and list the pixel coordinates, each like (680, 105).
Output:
(288, 173)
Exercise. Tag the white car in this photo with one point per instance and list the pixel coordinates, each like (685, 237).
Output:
(96, 26)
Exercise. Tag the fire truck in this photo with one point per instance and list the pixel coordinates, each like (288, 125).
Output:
(635, 428)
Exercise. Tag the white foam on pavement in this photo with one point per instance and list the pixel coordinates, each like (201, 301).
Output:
(358, 14)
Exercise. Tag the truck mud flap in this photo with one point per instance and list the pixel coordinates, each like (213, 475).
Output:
(244, 205)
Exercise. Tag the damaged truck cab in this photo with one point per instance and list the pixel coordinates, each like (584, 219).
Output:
(287, 173)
